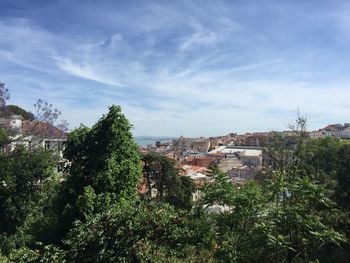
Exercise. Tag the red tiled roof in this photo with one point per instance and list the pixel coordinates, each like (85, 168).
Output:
(44, 129)
(193, 168)
(197, 168)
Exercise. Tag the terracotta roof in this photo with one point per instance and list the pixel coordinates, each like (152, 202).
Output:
(197, 168)
(333, 127)
(192, 168)
(204, 162)
(44, 129)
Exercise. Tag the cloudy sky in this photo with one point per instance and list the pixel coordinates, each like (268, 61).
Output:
(181, 67)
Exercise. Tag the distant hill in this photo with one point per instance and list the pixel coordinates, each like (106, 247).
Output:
(154, 138)
(14, 109)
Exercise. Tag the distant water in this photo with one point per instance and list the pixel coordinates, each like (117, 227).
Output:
(143, 142)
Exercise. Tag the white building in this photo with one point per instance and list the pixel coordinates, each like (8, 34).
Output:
(33, 134)
(333, 130)
(251, 156)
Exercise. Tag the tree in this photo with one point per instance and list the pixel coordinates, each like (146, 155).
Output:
(283, 148)
(297, 228)
(161, 173)
(343, 177)
(28, 180)
(300, 199)
(4, 96)
(43, 125)
(239, 235)
(321, 157)
(105, 167)
(284, 218)
(326, 160)
(22, 181)
(45, 112)
(133, 232)
(14, 109)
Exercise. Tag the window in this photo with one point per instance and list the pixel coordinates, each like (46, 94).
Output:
(47, 145)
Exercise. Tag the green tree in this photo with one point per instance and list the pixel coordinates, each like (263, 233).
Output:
(161, 173)
(327, 160)
(299, 191)
(3, 137)
(22, 203)
(343, 177)
(297, 227)
(14, 109)
(132, 232)
(105, 168)
(321, 158)
(237, 223)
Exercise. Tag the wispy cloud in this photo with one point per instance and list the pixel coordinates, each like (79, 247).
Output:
(185, 67)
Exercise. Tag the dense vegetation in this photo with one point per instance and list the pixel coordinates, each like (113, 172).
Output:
(26, 115)
(297, 209)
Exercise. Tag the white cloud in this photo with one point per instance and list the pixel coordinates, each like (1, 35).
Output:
(241, 80)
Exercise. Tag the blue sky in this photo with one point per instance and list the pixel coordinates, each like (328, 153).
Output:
(186, 67)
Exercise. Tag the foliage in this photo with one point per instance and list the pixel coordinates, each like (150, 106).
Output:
(105, 168)
(286, 217)
(45, 112)
(24, 180)
(14, 109)
(327, 161)
(321, 158)
(3, 137)
(343, 177)
(162, 174)
(46, 254)
(297, 228)
(131, 232)
(239, 235)
(297, 212)
(220, 192)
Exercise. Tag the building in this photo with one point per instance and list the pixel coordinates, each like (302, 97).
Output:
(258, 140)
(245, 152)
(226, 165)
(33, 134)
(241, 174)
(11, 123)
(332, 130)
(202, 161)
(200, 176)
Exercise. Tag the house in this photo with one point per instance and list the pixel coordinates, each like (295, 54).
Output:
(200, 176)
(257, 139)
(250, 160)
(33, 134)
(332, 130)
(194, 169)
(345, 133)
(239, 152)
(226, 165)
(202, 161)
(11, 123)
(241, 174)
(45, 135)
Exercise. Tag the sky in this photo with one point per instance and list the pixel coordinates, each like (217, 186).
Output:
(192, 68)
